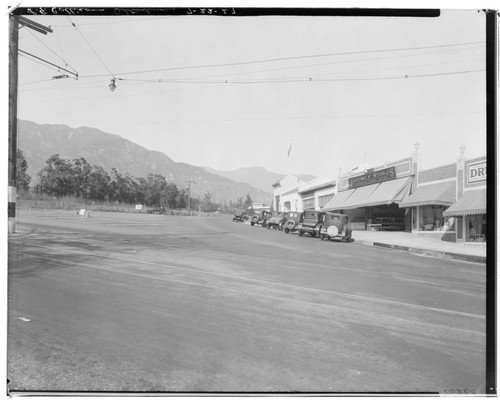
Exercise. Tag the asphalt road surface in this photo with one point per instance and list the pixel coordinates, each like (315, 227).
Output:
(154, 303)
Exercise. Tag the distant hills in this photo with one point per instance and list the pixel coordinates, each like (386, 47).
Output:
(258, 177)
(39, 141)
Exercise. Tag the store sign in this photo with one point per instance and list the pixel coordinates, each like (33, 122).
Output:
(372, 177)
(476, 172)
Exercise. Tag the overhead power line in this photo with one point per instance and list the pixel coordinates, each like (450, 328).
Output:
(53, 52)
(269, 60)
(308, 79)
(25, 53)
(92, 48)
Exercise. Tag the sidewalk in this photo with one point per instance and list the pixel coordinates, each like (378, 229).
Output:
(413, 243)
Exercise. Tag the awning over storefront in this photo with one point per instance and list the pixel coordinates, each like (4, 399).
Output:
(372, 195)
(472, 202)
(336, 203)
(359, 196)
(432, 195)
(389, 192)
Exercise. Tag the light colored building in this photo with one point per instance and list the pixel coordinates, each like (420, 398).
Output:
(316, 193)
(286, 196)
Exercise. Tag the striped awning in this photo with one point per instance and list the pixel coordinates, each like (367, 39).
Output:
(436, 194)
(339, 199)
(359, 196)
(371, 195)
(472, 202)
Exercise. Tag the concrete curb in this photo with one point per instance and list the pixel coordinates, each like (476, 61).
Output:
(427, 252)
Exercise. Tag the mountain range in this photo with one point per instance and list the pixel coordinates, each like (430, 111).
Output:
(258, 177)
(39, 141)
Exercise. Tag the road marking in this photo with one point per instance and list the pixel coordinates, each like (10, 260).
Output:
(278, 284)
(24, 319)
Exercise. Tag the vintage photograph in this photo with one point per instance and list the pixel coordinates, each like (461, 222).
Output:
(239, 200)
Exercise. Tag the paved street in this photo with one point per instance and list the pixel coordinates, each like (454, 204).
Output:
(129, 302)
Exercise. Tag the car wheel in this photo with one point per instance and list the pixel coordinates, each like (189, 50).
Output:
(252, 223)
(268, 226)
(287, 230)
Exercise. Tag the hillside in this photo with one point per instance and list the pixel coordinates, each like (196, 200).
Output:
(38, 142)
(257, 177)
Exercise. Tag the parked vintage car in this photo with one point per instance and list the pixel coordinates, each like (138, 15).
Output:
(259, 217)
(292, 219)
(312, 223)
(276, 220)
(336, 226)
(240, 216)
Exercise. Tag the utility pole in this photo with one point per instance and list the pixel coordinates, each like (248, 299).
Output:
(13, 84)
(189, 193)
(13, 80)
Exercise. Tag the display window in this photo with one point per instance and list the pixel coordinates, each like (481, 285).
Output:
(475, 228)
(430, 218)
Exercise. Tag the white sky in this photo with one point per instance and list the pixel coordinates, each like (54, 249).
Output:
(368, 109)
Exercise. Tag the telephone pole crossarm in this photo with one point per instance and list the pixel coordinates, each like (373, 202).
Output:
(34, 25)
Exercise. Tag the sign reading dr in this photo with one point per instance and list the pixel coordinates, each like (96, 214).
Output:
(476, 172)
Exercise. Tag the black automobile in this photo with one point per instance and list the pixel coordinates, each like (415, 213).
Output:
(260, 217)
(312, 223)
(336, 226)
(276, 220)
(292, 219)
(240, 216)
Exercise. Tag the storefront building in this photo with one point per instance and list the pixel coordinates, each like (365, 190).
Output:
(286, 194)
(446, 203)
(468, 212)
(371, 198)
(433, 192)
(317, 193)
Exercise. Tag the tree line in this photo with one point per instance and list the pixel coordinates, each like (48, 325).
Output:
(63, 177)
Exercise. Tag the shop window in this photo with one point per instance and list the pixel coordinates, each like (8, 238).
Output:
(308, 203)
(476, 228)
(322, 200)
(431, 219)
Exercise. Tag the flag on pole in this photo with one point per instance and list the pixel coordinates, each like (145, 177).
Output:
(289, 150)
